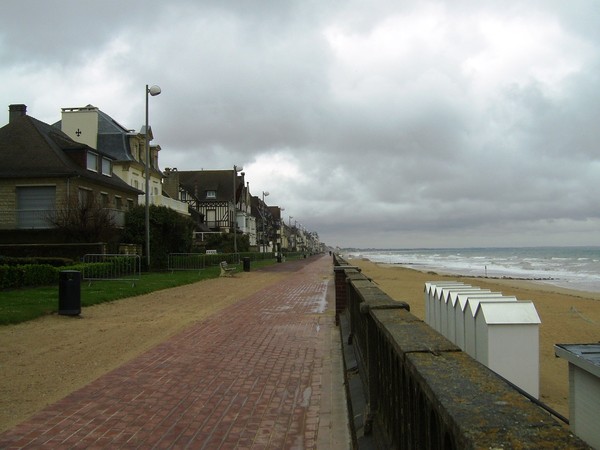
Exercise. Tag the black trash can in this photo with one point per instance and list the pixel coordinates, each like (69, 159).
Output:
(278, 257)
(69, 293)
(246, 262)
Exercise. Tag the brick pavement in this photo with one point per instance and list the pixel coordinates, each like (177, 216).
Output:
(265, 373)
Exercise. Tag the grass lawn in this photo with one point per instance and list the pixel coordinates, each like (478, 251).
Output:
(21, 305)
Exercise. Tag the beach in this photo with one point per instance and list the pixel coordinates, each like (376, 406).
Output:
(45, 359)
(568, 316)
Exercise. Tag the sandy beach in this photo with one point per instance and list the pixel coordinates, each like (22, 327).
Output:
(568, 316)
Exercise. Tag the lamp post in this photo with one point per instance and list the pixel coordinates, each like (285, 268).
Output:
(264, 194)
(236, 169)
(290, 246)
(153, 91)
(281, 224)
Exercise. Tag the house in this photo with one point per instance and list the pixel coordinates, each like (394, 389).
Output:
(220, 196)
(44, 171)
(91, 126)
(265, 224)
(277, 228)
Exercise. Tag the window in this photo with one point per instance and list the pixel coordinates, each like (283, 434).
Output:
(211, 194)
(106, 167)
(85, 196)
(129, 204)
(211, 218)
(92, 161)
(104, 199)
(36, 205)
(118, 202)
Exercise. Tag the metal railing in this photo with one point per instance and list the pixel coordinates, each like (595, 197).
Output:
(112, 267)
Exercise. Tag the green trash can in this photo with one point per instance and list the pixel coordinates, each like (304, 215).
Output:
(69, 292)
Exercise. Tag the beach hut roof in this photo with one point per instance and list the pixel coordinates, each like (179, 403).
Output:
(504, 313)
(474, 302)
(584, 356)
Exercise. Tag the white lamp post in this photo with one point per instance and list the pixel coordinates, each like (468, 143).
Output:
(236, 169)
(153, 91)
(264, 194)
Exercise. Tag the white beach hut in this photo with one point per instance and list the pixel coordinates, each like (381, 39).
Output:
(430, 287)
(470, 310)
(452, 305)
(459, 311)
(446, 305)
(584, 389)
(507, 341)
(437, 306)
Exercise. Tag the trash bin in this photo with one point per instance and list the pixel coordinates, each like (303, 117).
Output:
(278, 257)
(69, 292)
(246, 262)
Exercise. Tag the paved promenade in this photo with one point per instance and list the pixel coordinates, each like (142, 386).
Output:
(265, 373)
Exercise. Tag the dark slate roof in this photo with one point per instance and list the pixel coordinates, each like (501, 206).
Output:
(197, 182)
(33, 149)
(113, 138)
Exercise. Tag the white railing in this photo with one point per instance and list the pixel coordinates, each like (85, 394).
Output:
(161, 200)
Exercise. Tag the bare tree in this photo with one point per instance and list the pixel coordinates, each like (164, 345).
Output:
(83, 219)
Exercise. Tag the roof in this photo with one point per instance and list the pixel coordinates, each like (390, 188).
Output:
(197, 182)
(113, 138)
(511, 312)
(31, 148)
(585, 356)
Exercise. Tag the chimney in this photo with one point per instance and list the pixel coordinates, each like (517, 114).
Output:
(15, 111)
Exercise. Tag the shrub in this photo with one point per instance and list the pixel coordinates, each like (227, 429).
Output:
(39, 274)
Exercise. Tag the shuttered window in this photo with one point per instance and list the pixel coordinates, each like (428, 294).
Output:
(35, 206)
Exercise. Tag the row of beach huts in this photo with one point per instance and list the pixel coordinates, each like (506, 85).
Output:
(495, 329)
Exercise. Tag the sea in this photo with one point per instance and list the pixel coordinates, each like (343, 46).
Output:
(569, 267)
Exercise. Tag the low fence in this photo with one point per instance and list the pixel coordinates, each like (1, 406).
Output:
(199, 261)
(111, 267)
(423, 392)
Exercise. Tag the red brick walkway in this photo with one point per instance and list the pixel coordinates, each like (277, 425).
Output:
(264, 373)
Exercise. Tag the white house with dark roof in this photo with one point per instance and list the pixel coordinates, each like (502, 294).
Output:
(43, 170)
(93, 127)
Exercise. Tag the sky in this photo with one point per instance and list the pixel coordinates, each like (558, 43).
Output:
(379, 124)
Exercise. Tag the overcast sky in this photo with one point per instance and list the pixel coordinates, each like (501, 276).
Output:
(385, 124)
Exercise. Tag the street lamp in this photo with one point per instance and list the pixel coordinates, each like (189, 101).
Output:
(264, 194)
(290, 246)
(281, 225)
(236, 169)
(153, 91)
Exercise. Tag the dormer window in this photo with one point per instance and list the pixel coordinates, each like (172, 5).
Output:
(92, 161)
(211, 194)
(106, 167)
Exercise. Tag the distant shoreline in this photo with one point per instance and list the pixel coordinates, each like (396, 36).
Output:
(548, 284)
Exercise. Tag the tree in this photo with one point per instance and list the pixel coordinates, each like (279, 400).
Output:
(170, 232)
(223, 242)
(84, 219)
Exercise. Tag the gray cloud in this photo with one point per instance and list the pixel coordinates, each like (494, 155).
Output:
(390, 124)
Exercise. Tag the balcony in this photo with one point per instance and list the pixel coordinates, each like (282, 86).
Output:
(161, 200)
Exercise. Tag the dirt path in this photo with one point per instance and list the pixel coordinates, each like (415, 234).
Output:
(42, 361)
